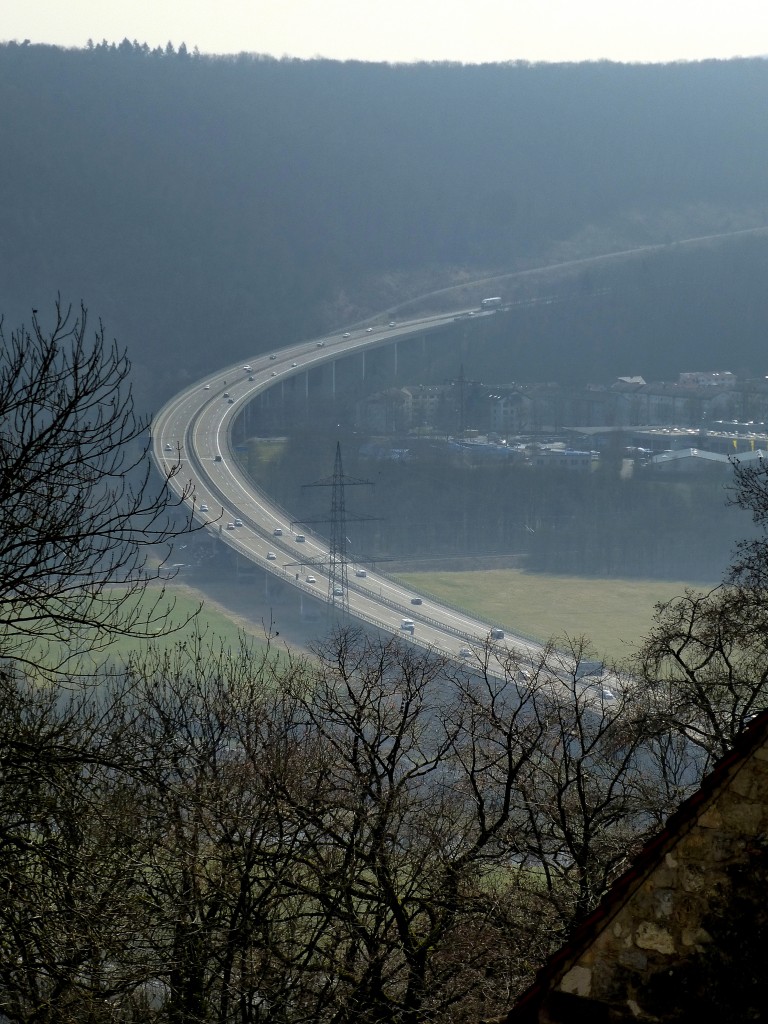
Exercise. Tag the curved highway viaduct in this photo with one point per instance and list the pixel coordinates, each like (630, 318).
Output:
(196, 426)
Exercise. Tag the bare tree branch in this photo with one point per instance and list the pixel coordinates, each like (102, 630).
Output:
(86, 525)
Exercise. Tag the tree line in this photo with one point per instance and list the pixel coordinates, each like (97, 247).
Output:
(373, 834)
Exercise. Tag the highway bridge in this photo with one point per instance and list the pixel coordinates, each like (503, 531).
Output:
(195, 427)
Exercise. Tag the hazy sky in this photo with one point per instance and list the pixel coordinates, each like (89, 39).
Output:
(470, 31)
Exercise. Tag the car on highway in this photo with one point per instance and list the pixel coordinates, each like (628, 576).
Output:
(207, 387)
(168, 447)
(230, 401)
(226, 394)
(321, 344)
(346, 334)
(204, 507)
(416, 600)
(408, 626)
(294, 364)
(300, 538)
(603, 693)
(497, 634)
(361, 573)
(311, 579)
(392, 323)
(369, 330)
(271, 556)
(251, 377)
(338, 591)
(273, 356)
(248, 368)
(230, 526)
(465, 652)
(238, 522)
(274, 373)
(277, 532)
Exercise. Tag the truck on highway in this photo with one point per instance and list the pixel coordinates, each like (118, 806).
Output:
(491, 303)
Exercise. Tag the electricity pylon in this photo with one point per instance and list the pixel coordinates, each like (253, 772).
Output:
(338, 575)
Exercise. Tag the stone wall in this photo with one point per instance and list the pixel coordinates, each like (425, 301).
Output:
(687, 940)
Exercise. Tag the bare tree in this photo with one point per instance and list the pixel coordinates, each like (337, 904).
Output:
(704, 662)
(85, 524)
(749, 569)
(207, 738)
(592, 789)
(68, 837)
(705, 665)
(378, 835)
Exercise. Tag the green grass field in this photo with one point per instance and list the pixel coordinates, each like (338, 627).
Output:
(217, 626)
(614, 614)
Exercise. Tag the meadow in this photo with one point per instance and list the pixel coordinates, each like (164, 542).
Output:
(614, 614)
(215, 626)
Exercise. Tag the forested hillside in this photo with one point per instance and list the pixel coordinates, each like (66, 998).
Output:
(208, 208)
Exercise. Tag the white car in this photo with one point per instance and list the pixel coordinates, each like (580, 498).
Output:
(294, 364)
(392, 323)
(277, 532)
(311, 579)
(238, 522)
(346, 334)
(369, 330)
(207, 387)
(168, 447)
(203, 507)
(248, 368)
(230, 526)
(361, 573)
(274, 373)
(271, 556)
